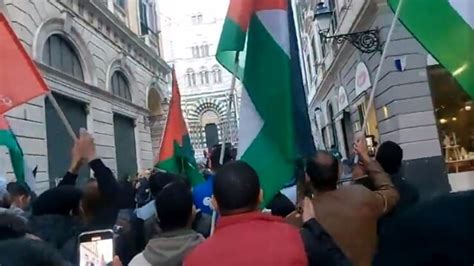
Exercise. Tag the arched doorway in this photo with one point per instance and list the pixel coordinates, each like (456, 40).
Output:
(210, 120)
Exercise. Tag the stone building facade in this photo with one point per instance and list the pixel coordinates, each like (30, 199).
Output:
(191, 30)
(101, 60)
(339, 79)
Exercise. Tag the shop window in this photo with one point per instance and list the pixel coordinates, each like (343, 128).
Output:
(455, 117)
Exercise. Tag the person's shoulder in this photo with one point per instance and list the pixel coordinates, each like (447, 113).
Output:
(139, 260)
(201, 253)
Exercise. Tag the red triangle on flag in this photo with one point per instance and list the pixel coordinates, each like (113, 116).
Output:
(20, 80)
(175, 128)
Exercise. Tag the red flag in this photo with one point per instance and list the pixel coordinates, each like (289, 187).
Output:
(20, 80)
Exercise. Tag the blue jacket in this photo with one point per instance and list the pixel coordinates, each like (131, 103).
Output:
(202, 195)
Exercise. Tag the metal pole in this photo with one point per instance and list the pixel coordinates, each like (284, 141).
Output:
(229, 111)
(61, 115)
(379, 70)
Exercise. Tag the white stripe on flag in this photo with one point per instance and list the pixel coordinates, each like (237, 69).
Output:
(250, 123)
(465, 8)
(276, 23)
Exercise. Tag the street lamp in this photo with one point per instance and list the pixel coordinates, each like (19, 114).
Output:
(365, 41)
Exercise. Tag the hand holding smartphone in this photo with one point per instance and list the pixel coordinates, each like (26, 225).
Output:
(96, 248)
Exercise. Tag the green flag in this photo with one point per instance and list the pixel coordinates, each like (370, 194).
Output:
(8, 139)
(258, 31)
(446, 29)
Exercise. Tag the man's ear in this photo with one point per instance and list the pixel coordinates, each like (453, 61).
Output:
(214, 204)
(260, 197)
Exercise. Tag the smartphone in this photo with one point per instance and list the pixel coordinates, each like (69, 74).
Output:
(96, 248)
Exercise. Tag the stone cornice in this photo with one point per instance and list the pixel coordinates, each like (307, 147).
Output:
(119, 30)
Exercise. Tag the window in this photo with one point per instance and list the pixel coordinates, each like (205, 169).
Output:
(204, 50)
(332, 128)
(455, 122)
(147, 17)
(196, 52)
(323, 46)
(120, 86)
(313, 49)
(217, 74)
(191, 77)
(58, 53)
(197, 18)
(334, 20)
(204, 76)
(121, 3)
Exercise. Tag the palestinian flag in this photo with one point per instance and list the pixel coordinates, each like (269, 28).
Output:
(20, 80)
(176, 154)
(446, 29)
(8, 139)
(261, 33)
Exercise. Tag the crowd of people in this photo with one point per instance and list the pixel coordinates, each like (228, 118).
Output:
(158, 219)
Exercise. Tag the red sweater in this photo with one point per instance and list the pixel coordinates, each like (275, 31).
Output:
(250, 239)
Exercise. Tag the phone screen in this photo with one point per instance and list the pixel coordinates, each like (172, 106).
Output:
(96, 248)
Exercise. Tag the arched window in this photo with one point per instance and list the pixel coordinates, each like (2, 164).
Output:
(59, 53)
(120, 86)
(191, 77)
(217, 74)
(204, 76)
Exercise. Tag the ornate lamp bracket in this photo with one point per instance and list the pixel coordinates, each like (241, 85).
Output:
(365, 41)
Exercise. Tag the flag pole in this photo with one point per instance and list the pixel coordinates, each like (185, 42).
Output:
(61, 115)
(226, 130)
(379, 70)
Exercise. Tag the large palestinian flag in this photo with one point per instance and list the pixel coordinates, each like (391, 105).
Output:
(176, 154)
(259, 31)
(446, 29)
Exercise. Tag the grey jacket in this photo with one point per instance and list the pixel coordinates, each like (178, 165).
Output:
(169, 248)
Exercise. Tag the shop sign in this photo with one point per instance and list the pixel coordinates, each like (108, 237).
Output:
(362, 79)
(342, 100)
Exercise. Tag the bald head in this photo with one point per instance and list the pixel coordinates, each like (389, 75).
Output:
(323, 171)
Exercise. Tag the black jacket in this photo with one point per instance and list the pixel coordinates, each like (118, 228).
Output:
(106, 217)
(409, 197)
(54, 229)
(319, 246)
(435, 232)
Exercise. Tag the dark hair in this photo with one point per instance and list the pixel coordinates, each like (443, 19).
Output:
(16, 189)
(236, 187)
(12, 226)
(26, 252)
(174, 206)
(390, 156)
(159, 180)
(323, 170)
(59, 200)
(216, 156)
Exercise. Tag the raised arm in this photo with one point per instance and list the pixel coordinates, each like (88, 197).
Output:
(71, 175)
(385, 192)
(106, 181)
